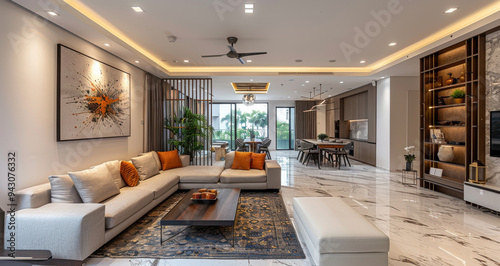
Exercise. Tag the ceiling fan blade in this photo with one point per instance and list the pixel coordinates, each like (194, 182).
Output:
(241, 61)
(231, 48)
(215, 55)
(249, 54)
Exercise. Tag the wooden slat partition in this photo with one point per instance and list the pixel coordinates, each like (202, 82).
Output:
(195, 94)
(305, 122)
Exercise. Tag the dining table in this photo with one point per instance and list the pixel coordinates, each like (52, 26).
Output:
(253, 144)
(325, 144)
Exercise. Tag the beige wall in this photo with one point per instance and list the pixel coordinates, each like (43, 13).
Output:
(28, 75)
(397, 120)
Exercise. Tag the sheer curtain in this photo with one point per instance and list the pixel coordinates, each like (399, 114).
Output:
(156, 112)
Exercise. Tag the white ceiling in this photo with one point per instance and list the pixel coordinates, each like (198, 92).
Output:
(312, 31)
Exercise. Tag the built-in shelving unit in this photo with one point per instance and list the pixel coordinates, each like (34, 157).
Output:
(459, 122)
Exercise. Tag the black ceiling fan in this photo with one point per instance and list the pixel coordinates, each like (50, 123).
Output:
(232, 53)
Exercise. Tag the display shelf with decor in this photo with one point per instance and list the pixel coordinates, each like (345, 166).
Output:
(452, 114)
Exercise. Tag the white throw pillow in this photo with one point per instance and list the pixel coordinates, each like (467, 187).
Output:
(62, 189)
(155, 156)
(114, 170)
(94, 185)
(146, 166)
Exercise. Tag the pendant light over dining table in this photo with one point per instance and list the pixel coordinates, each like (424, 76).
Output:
(313, 109)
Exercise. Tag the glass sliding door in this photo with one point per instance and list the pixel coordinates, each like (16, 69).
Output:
(234, 120)
(285, 128)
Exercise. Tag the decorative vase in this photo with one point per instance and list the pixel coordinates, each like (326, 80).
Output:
(459, 100)
(409, 166)
(450, 79)
(462, 77)
(445, 153)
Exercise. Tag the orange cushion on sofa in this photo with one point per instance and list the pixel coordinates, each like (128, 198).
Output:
(258, 160)
(242, 160)
(129, 173)
(169, 159)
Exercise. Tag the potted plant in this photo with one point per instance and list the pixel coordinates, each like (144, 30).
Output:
(409, 157)
(322, 136)
(458, 95)
(190, 132)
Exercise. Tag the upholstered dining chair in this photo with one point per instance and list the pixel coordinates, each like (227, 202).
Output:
(264, 147)
(240, 145)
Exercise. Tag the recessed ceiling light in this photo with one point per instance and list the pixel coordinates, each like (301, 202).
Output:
(251, 79)
(302, 85)
(298, 60)
(52, 13)
(137, 61)
(307, 81)
(107, 44)
(451, 10)
(175, 61)
(137, 9)
(249, 60)
(332, 60)
(330, 95)
(186, 61)
(249, 10)
(295, 91)
(392, 44)
(248, 5)
(382, 77)
(341, 82)
(288, 97)
(362, 61)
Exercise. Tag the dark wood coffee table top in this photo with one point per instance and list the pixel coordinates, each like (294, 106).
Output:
(220, 213)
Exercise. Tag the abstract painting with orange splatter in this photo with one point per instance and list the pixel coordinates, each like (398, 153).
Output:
(94, 98)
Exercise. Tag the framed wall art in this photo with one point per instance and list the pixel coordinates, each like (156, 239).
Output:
(93, 98)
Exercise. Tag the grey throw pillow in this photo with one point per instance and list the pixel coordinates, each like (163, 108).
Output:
(62, 189)
(94, 185)
(155, 156)
(146, 166)
(114, 170)
(229, 160)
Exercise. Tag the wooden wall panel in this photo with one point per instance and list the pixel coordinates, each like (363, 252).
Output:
(305, 122)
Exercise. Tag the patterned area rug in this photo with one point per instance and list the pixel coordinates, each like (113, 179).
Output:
(262, 231)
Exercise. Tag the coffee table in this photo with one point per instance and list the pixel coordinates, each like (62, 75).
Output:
(220, 213)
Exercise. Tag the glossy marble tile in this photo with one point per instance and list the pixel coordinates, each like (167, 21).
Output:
(424, 227)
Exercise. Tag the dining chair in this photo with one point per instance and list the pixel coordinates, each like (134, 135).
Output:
(264, 147)
(240, 145)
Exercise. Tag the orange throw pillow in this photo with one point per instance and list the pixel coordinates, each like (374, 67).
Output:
(258, 160)
(169, 159)
(129, 173)
(242, 160)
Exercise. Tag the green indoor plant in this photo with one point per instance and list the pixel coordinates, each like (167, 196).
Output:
(458, 95)
(322, 136)
(190, 132)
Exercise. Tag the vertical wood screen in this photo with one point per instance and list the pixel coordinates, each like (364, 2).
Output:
(195, 94)
(305, 122)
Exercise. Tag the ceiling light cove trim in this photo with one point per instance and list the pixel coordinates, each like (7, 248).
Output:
(79, 9)
(284, 71)
(484, 13)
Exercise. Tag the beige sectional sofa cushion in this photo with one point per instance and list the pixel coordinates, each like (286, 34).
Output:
(94, 185)
(198, 173)
(122, 206)
(146, 166)
(229, 160)
(114, 170)
(155, 156)
(160, 184)
(243, 176)
(63, 190)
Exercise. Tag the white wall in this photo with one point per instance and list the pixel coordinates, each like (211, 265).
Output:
(28, 92)
(397, 120)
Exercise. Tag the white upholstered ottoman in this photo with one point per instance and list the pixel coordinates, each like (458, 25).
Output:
(336, 234)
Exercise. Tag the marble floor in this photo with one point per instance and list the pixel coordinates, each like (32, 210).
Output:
(425, 227)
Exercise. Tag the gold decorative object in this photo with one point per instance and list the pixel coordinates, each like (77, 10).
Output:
(477, 172)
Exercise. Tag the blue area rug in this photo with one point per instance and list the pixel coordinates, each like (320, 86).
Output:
(262, 231)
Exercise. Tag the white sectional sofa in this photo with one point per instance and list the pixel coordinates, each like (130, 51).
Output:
(73, 231)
